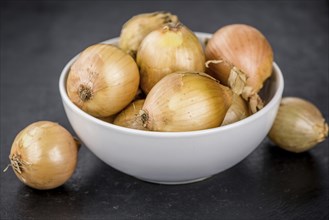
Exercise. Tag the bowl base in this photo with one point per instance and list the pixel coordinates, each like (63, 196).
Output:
(174, 182)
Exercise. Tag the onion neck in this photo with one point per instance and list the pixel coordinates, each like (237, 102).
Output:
(17, 163)
(172, 26)
(144, 116)
(324, 133)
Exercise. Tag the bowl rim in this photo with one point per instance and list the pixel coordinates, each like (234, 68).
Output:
(65, 99)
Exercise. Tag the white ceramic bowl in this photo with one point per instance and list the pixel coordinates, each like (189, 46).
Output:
(174, 157)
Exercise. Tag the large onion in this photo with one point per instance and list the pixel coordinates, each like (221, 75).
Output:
(186, 102)
(240, 57)
(103, 80)
(44, 155)
(166, 50)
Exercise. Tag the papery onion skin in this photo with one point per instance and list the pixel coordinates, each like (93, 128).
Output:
(299, 125)
(244, 47)
(137, 27)
(129, 117)
(238, 110)
(186, 102)
(103, 80)
(166, 50)
(44, 155)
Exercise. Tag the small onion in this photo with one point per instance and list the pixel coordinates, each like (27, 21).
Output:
(240, 57)
(238, 110)
(103, 80)
(299, 125)
(129, 117)
(186, 102)
(44, 155)
(137, 27)
(166, 50)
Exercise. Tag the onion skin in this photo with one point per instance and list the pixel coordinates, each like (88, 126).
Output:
(137, 27)
(166, 50)
(44, 155)
(129, 117)
(246, 51)
(108, 119)
(238, 110)
(186, 102)
(103, 80)
(299, 125)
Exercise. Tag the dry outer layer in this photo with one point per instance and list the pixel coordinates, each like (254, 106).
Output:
(299, 125)
(186, 102)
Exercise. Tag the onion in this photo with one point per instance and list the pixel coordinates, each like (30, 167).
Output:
(298, 126)
(44, 155)
(238, 110)
(108, 119)
(241, 58)
(137, 27)
(103, 80)
(129, 117)
(166, 50)
(186, 102)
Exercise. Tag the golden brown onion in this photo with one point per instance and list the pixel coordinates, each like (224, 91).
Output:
(108, 119)
(103, 80)
(242, 57)
(238, 110)
(129, 117)
(166, 50)
(299, 125)
(186, 102)
(44, 155)
(137, 27)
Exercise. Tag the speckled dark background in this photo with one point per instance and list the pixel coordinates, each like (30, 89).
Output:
(38, 38)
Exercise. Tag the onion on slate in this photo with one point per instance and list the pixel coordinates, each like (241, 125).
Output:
(299, 125)
(44, 155)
